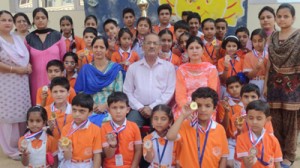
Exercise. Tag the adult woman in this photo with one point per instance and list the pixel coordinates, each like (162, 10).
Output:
(44, 44)
(22, 24)
(266, 18)
(193, 75)
(101, 77)
(283, 85)
(14, 85)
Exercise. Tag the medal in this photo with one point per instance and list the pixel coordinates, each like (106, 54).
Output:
(240, 120)
(45, 88)
(110, 136)
(127, 63)
(194, 106)
(148, 144)
(24, 144)
(253, 151)
(65, 141)
(53, 116)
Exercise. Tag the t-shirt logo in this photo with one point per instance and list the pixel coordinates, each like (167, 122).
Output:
(216, 151)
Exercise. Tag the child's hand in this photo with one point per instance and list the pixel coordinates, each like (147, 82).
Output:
(111, 139)
(249, 161)
(63, 147)
(186, 110)
(111, 43)
(44, 95)
(227, 61)
(51, 124)
(81, 55)
(225, 105)
(101, 108)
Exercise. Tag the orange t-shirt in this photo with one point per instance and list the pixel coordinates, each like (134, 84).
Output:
(216, 146)
(72, 80)
(50, 99)
(51, 146)
(251, 61)
(62, 118)
(157, 29)
(234, 112)
(235, 67)
(242, 52)
(130, 56)
(86, 141)
(127, 138)
(272, 150)
(78, 42)
(87, 59)
(109, 52)
(174, 59)
(210, 53)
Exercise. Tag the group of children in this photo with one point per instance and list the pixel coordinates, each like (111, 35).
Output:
(235, 131)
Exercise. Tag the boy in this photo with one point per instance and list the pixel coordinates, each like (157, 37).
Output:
(164, 13)
(129, 19)
(55, 68)
(121, 139)
(202, 133)
(111, 29)
(59, 112)
(180, 27)
(86, 55)
(185, 14)
(83, 147)
(242, 34)
(221, 27)
(228, 112)
(255, 147)
(194, 21)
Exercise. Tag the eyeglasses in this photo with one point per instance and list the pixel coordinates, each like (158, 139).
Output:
(69, 63)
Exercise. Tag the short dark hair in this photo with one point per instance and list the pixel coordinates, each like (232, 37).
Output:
(128, 10)
(259, 105)
(194, 15)
(250, 87)
(164, 6)
(110, 21)
(194, 39)
(56, 63)
(164, 108)
(266, 8)
(23, 15)
(242, 29)
(100, 38)
(117, 97)
(181, 25)
(83, 100)
(71, 54)
(288, 6)
(90, 30)
(91, 17)
(233, 79)
(185, 13)
(60, 81)
(259, 32)
(231, 39)
(220, 20)
(208, 20)
(206, 92)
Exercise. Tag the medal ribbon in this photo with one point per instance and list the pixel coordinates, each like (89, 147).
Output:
(210, 54)
(201, 153)
(256, 54)
(56, 123)
(33, 135)
(72, 131)
(254, 143)
(261, 159)
(232, 65)
(117, 130)
(121, 54)
(234, 98)
(160, 157)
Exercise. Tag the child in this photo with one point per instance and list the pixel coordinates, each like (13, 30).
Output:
(255, 62)
(125, 56)
(194, 21)
(180, 27)
(111, 29)
(86, 55)
(59, 112)
(129, 19)
(231, 64)
(73, 43)
(166, 39)
(122, 143)
(242, 34)
(157, 150)
(55, 68)
(91, 21)
(38, 148)
(70, 63)
(255, 147)
(228, 112)
(211, 44)
(182, 47)
(202, 133)
(143, 28)
(83, 147)
(185, 14)
(164, 13)
(222, 27)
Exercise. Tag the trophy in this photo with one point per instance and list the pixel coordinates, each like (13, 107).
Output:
(143, 5)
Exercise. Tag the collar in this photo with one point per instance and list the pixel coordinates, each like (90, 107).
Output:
(194, 124)
(74, 75)
(205, 42)
(255, 137)
(236, 58)
(168, 26)
(68, 109)
(158, 61)
(232, 103)
(156, 136)
(86, 125)
(121, 50)
(70, 38)
(42, 137)
(117, 125)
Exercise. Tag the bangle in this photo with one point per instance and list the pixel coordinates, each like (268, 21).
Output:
(10, 71)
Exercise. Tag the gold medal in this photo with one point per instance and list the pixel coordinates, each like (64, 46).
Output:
(240, 120)
(24, 144)
(110, 136)
(253, 151)
(214, 42)
(45, 88)
(65, 141)
(194, 106)
(127, 63)
(53, 116)
(148, 144)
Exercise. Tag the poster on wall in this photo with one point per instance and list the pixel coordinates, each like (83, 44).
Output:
(234, 11)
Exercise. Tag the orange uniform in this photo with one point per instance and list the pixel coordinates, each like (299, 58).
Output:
(89, 57)
(235, 66)
(173, 58)
(272, 151)
(251, 60)
(49, 99)
(62, 118)
(127, 138)
(216, 146)
(78, 43)
(242, 52)
(72, 80)
(86, 141)
(234, 112)
(156, 29)
(122, 56)
(210, 53)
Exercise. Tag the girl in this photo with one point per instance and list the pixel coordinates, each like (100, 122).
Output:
(255, 62)
(73, 43)
(125, 56)
(158, 150)
(211, 44)
(91, 21)
(70, 63)
(38, 148)
(182, 46)
(144, 27)
(166, 38)
(231, 64)
(22, 24)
